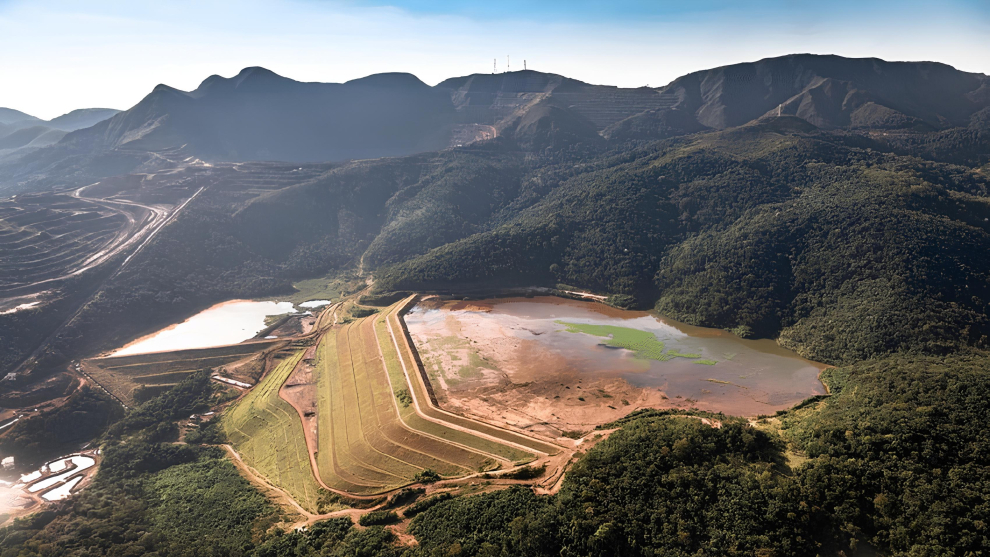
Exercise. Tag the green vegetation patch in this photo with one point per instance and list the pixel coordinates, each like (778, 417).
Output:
(268, 434)
(644, 344)
(402, 395)
(205, 502)
(375, 518)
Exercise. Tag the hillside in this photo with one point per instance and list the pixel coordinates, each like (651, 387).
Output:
(753, 228)
(833, 92)
(21, 133)
(10, 116)
(259, 115)
(82, 118)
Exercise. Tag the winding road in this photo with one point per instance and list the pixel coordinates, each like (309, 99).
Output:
(158, 217)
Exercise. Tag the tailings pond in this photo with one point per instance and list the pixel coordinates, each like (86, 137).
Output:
(573, 364)
(226, 323)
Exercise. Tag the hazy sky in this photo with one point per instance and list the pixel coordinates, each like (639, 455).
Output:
(59, 55)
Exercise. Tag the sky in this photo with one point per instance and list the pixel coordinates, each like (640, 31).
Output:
(59, 55)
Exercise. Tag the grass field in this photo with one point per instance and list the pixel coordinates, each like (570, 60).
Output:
(121, 375)
(267, 433)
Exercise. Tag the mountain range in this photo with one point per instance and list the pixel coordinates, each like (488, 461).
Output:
(259, 115)
(20, 132)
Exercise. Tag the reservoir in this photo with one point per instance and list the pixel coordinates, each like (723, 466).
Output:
(601, 356)
(225, 323)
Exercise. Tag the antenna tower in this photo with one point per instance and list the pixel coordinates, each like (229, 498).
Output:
(494, 65)
(508, 67)
(524, 64)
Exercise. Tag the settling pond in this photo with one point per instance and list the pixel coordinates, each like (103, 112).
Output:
(225, 323)
(522, 341)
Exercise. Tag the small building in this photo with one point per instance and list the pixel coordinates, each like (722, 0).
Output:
(7, 463)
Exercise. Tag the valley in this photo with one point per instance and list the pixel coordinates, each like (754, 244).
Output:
(366, 402)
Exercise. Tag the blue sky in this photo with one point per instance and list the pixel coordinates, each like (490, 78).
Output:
(64, 54)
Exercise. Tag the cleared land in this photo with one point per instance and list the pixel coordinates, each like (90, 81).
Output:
(122, 375)
(268, 434)
(46, 236)
(353, 414)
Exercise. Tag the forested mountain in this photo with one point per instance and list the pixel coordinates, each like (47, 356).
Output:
(259, 115)
(833, 92)
(777, 226)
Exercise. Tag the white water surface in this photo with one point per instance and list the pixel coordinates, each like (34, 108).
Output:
(82, 462)
(62, 491)
(315, 303)
(226, 323)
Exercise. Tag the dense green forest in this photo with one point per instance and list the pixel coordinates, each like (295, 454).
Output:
(894, 462)
(843, 251)
(774, 227)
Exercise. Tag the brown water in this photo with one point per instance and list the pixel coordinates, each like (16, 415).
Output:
(522, 339)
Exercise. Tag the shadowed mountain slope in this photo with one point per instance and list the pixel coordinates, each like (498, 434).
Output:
(21, 133)
(259, 115)
(832, 92)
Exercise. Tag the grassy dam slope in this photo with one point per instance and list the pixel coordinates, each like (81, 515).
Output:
(376, 426)
(267, 433)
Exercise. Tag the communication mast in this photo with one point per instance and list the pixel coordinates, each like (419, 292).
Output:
(494, 65)
(508, 67)
(524, 65)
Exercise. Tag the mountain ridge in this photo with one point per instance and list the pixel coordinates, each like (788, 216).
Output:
(258, 114)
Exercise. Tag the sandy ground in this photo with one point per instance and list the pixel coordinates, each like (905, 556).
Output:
(294, 326)
(299, 390)
(518, 382)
